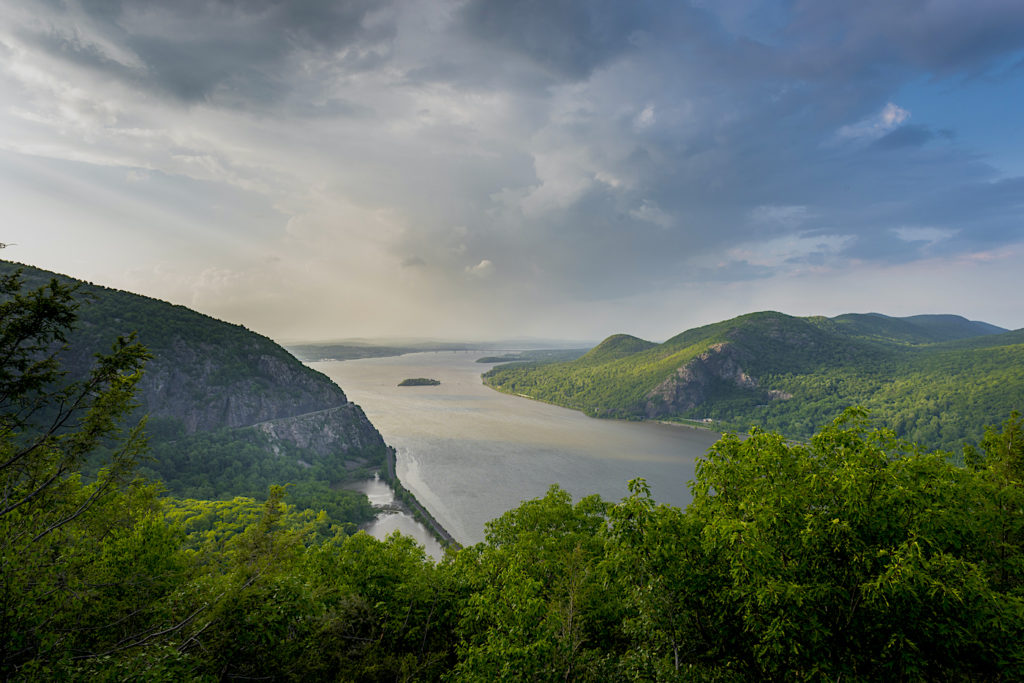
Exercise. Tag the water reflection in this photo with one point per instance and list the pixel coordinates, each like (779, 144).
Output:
(390, 520)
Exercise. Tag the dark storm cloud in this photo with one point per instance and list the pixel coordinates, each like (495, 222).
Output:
(597, 149)
(568, 38)
(773, 151)
(195, 49)
(864, 38)
(71, 47)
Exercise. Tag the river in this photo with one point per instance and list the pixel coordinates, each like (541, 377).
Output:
(470, 453)
(390, 520)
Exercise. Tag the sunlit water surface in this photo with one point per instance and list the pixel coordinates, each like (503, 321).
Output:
(469, 453)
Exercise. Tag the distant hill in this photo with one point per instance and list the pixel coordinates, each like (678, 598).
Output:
(916, 329)
(349, 349)
(534, 355)
(230, 411)
(615, 347)
(937, 379)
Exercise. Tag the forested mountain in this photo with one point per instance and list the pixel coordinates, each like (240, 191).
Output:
(230, 411)
(936, 379)
(915, 329)
(854, 556)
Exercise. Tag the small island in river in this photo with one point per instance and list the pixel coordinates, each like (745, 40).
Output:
(419, 382)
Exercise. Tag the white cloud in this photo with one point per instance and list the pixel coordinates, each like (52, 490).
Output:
(204, 145)
(564, 174)
(893, 116)
(483, 269)
(874, 127)
(923, 234)
(650, 213)
(789, 250)
(645, 119)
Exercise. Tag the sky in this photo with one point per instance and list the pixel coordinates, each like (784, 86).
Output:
(481, 169)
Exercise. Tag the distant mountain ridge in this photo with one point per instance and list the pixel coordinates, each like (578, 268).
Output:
(916, 329)
(933, 378)
(209, 379)
(376, 348)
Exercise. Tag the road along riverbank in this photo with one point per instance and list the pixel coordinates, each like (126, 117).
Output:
(406, 498)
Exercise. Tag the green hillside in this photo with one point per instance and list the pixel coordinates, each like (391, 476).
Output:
(229, 411)
(853, 556)
(915, 329)
(935, 379)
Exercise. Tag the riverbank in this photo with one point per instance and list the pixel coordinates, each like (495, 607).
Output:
(405, 498)
(705, 425)
(688, 424)
(470, 453)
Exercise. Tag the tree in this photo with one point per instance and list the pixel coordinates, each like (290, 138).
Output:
(671, 584)
(48, 422)
(55, 529)
(854, 556)
(540, 604)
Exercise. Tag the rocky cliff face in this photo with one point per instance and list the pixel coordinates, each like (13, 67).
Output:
(252, 383)
(283, 400)
(187, 381)
(208, 375)
(341, 431)
(692, 383)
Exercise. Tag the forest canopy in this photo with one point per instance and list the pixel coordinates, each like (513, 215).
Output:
(935, 380)
(855, 555)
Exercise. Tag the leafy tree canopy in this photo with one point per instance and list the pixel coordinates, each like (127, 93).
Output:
(854, 556)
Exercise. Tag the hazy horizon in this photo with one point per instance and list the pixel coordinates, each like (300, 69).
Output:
(482, 170)
(511, 342)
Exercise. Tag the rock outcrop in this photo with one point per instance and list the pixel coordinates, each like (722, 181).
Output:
(341, 431)
(186, 380)
(207, 375)
(693, 383)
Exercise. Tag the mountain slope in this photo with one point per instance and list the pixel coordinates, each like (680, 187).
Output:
(225, 404)
(915, 329)
(921, 375)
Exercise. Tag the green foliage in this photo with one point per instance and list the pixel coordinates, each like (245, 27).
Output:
(615, 347)
(228, 463)
(419, 382)
(63, 545)
(387, 611)
(854, 556)
(72, 318)
(210, 525)
(201, 356)
(535, 355)
(94, 577)
(541, 606)
(160, 326)
(919, 376)
(916, 329)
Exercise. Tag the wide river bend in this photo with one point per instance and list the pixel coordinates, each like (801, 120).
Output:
(470, 453)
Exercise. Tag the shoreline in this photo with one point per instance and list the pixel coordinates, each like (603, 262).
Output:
(698, 425)
(407, 500)
(671, 423)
